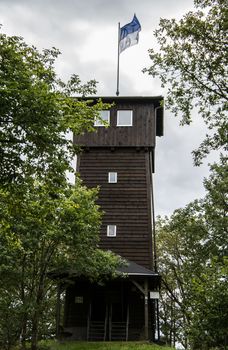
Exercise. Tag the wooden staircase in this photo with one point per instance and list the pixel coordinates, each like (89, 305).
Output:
(107, 329)
(118, 331)
(97, 331)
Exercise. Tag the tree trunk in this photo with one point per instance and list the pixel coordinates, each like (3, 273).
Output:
(24, 315)
(37, 312)
(23, 333)
(34, 339)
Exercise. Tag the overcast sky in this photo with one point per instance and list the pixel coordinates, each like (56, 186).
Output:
(85, 31)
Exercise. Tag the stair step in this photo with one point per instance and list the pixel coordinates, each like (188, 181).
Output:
(118, 331)
(96, 331)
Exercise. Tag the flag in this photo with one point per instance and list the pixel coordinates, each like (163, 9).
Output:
(129, 34)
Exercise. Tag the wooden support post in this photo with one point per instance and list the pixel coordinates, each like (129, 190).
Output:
(110, 323)
(146, 305)
(58, 310)
(88, 320)
(146, 309)
(127, 323)
(106, 322)
(153, 319)
(158, 323)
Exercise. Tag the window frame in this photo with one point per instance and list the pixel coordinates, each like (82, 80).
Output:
(108, 230)
(99, 121)
(109, 177)
(118, 116)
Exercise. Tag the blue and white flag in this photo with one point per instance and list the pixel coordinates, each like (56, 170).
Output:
(129, 34)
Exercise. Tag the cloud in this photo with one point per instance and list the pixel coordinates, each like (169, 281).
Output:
(85, 31)
(177, 180)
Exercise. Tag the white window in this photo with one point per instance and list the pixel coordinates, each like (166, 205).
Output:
(105, 116)
(124, 118)
(111, 230)
(78, 300)
(112, 177)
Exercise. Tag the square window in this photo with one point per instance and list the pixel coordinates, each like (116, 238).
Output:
(105, 116)
(111, 230)
(124, 118)
(78, 300)
(112, 177)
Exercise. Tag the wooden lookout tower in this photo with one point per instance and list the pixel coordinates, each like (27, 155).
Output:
(120, 159)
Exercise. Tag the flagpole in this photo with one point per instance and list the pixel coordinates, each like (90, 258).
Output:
(118, 61)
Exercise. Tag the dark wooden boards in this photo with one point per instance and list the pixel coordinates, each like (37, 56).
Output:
(140, 134)
(126, 203)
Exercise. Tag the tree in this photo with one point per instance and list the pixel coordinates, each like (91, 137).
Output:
(36, 110)
(179, 258)
(39, 233)
(45, 223)
(192, 63)
(209, 303)
(193, 250)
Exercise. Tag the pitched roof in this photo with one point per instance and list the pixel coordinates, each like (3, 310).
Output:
(133, 269)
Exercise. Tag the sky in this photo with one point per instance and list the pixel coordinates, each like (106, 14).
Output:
(86, 33)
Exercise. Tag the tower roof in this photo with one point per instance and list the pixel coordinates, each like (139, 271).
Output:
(156, 100)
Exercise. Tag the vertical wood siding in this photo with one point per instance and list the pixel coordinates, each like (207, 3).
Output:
(126, 203)
(140, 134)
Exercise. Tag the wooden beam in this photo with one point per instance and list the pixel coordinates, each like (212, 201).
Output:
(158, 323)
(110, 323)
(88, 321)
(106, 322)
(138, 286)
(146, 309)
(146, 306)
(127, 323)
(58, 307)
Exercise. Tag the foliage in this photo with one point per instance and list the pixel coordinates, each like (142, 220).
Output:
(209, 302)
(36, 110)
(192, 63)
(45, 223)
(193, 250)
(104, 346)
(42, 232)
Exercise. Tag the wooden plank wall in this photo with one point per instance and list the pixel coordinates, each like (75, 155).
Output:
(126, 203)
(141, 134)
(76, 314)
